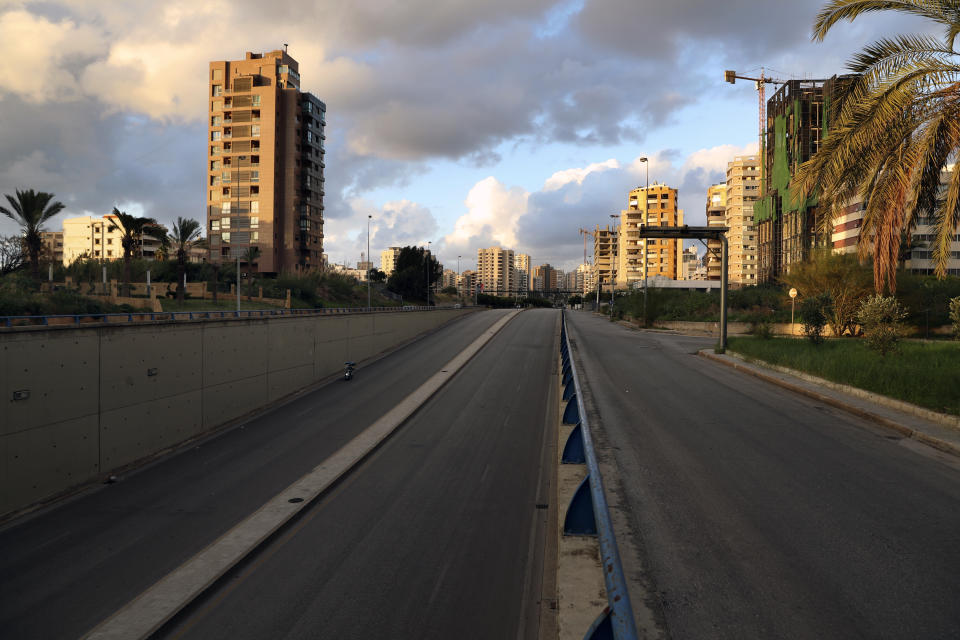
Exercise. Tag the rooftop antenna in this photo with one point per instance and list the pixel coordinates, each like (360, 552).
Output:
(285, 45)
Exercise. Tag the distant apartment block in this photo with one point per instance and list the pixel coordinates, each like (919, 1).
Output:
(52, 246)
(101, 239)
(523, 276)
(265, 182)
(638, 258)
(743, 189)
(846, 228)
(546, 278)
(448, 279)
(388, 260)
(604, 253)
(467, 283)
(716, 217)
(496, 270)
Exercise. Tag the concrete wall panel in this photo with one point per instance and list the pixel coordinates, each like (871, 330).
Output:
(59, 369)
(44, 461)
(281, 381)
(224, 402)
(332, 328)
(234, 351)
(291, 344)
(136, 431)
(145, 366)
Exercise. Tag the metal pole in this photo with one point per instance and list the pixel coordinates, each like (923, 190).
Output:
(793, 307)
(723, 292)
(238, 283)
(429, 242)
(50, 273)
(369, 262)
(148, 283)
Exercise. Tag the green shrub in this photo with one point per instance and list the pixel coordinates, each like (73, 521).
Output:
(955, 316)
(882, 321)
(814, 311)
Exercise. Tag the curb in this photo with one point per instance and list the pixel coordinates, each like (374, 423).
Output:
(909, 432)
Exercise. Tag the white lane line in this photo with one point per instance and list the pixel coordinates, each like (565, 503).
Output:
(151, 609)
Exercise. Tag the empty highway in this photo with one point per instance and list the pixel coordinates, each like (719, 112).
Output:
(760, 513)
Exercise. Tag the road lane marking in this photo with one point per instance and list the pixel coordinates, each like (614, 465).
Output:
(146, 613)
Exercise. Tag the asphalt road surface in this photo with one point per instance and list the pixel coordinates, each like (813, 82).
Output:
(437, 535)
(66, 568)
(760, 513)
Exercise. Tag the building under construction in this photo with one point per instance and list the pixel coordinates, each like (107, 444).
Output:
(797, 118)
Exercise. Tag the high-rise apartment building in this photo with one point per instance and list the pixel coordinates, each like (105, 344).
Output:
(496, 270)
(743, 189)
(523, 276)
(585, 278)
(467, 283)
(637, 258)
(716, 217)
(265, 182)
(797, 119)
(604, 252)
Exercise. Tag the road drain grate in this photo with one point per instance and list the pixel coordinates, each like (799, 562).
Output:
(295, 500)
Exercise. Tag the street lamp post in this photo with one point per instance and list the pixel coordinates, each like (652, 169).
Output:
(458, 277)
(646, 163)
(369, 262)
(429, 242)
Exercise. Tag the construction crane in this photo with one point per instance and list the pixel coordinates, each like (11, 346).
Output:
(761, 84)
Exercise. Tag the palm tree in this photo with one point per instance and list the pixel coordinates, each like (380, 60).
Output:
(132, 229)
(30, 210)
(894, 128)
(186, 233)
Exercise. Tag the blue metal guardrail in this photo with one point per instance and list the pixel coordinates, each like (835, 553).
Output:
(588, 513)
(173, 316)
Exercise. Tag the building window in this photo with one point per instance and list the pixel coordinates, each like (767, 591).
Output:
(225, 209)
(225, 223)
(217, 90)
(255, 131)
(256, 101)
(217, 105)
(216, 75)
(254, 221)
(255, 206)
(254, 176)
(254, 236)
(214, 135)
(214, 165)
(215, 225)
(216, 121)
(225, 236)
(215, 150)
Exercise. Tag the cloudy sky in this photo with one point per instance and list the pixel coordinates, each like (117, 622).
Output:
(468, 123)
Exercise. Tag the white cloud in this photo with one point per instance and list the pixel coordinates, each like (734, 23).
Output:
(493, 210)
(561, 178)
(38, 55)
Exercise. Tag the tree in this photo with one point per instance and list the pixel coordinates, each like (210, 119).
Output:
(186, 233)
(12, 254)
(415, 270)
(894, 129)
(841, 278)
(131, 228)
(249, 257)
(30, 210)
(376, 275)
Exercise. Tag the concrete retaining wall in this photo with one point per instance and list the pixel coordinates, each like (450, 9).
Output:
(100, 398)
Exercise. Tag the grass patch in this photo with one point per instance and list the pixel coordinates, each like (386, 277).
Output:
(925, 374)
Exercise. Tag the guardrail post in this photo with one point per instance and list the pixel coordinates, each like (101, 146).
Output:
(573, 449)
(571, 414)
(579, 520)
